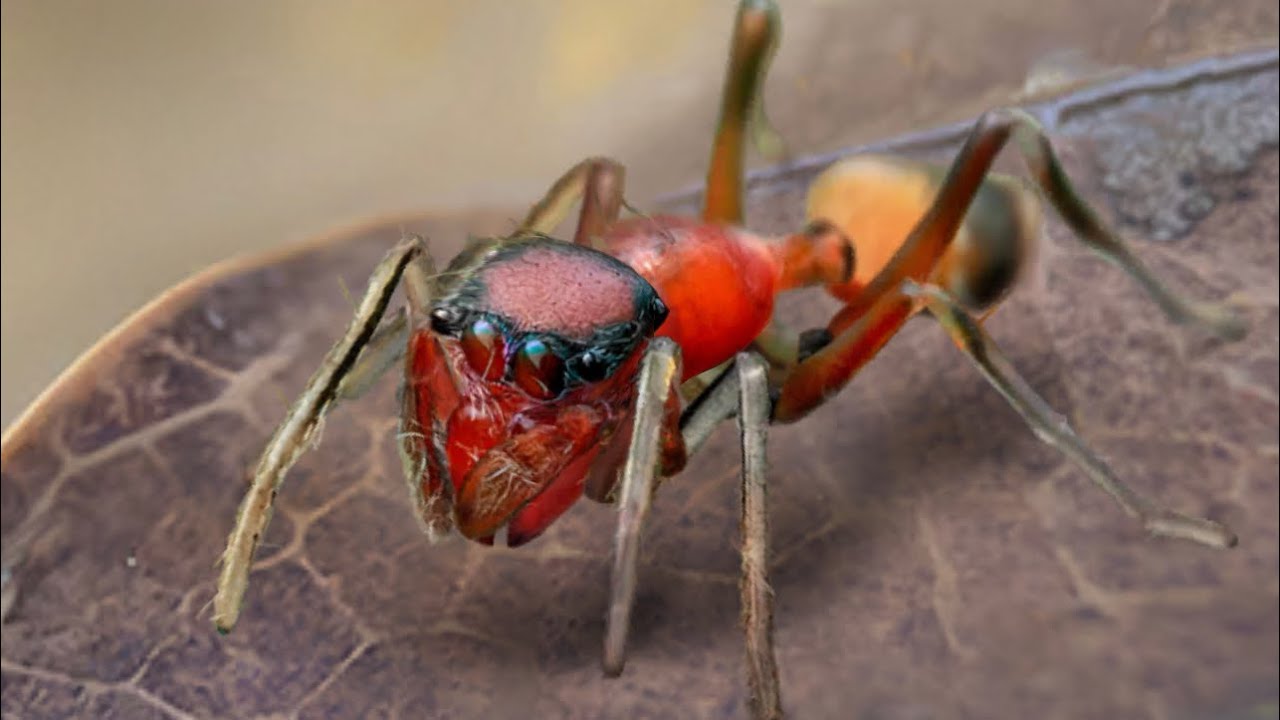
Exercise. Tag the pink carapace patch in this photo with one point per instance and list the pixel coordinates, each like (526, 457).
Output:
(551, 290)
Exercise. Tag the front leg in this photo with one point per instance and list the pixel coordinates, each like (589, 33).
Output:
(295, 434)
(658, 380)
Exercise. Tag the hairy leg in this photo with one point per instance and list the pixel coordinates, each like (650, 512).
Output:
(659, 377)
(757, 596)
(295, 433)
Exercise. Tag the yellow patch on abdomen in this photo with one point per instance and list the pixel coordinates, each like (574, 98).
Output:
(876, 201)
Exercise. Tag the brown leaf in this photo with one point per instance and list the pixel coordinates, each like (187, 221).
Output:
(931, 559)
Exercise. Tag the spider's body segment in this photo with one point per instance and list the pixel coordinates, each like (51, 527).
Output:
(719, 280)
(538, 371)
(879, 199)
(526, 366)
(529, 361)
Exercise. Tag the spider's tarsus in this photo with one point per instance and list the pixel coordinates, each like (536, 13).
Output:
(1198, 530)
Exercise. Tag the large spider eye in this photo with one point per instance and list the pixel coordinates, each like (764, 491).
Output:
(484, 348)
(590, 366)
(538, 371)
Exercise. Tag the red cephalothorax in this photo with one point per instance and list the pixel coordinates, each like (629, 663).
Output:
(527, 365)
(719, 281)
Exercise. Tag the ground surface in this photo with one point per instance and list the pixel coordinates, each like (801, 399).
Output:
(145, 141)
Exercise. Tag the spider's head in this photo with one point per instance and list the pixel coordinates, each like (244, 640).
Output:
(523, 377)
(544, 316)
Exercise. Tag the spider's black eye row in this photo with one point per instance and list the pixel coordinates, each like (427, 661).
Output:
(542, 364)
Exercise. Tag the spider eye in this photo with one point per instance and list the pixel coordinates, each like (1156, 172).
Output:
(445, 320)
(659, 310)
(484, 348)
(538, 371)
(589, 366)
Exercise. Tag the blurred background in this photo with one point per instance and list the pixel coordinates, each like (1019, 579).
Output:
(145, 139)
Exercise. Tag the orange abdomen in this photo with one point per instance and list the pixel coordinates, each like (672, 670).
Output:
(877, 201)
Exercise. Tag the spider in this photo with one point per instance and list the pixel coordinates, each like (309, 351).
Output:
(537, 370)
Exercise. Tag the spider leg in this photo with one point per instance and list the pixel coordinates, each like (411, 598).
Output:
(1053, 429)
(387, 346)
(823, 373)
(659, 376)
(1099, 237)
(755, 37)
(384, 349)
(294, 434)
(599, 183)
(757, 596)
(716, 403)
(743, 390)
